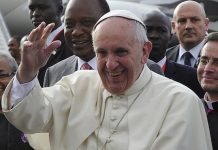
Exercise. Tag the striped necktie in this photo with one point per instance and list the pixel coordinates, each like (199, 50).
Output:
(86, 66)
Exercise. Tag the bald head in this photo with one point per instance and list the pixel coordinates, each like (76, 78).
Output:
(188, 5)
(190, 24)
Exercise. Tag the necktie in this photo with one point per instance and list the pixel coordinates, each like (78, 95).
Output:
(187, 58)
(86, 66)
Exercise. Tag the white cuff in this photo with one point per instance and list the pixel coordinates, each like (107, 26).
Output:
(19, 91)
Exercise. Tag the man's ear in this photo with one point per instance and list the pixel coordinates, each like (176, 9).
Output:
(173, 26)
(146, 51)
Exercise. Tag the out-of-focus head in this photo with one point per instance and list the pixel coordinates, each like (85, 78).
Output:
(23, 39)
(207, 70)
(80, 17)
(159, 33)
(48, 11)
(122, 49)
(190, 23)
(8, 67)
(14, 46)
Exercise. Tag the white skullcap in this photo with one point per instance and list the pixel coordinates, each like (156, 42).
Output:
(120, 13)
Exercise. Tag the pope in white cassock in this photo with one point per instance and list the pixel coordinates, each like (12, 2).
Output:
(122, 106)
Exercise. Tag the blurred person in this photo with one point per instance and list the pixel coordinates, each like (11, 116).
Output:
(159, 33)
(14, 48)
(79, 21)
(208, 78)
(10, 137)
(190, 25)
(50, 11)
(23, 39)
(121, 106)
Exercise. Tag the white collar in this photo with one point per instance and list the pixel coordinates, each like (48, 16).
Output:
(162, 62)
(208, 102)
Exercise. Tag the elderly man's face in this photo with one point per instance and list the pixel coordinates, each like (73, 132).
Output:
(5, 75)
(190, 26)
(120, 57)
(208, 68)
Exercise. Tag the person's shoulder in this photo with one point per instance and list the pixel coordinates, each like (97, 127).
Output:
(171, 53)
(172, 49)
(154, 67)
(62, 64)
(170, 86)
(183, 68)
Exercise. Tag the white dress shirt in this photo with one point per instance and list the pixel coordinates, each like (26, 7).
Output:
(195, 51)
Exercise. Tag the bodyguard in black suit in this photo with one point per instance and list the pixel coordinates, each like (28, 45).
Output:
(190, 25)
(159, 33)
(207, 73)
(50, 11)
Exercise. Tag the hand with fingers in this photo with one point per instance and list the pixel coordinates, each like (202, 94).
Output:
(35, 53)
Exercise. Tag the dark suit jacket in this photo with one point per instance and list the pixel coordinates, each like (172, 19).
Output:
(173, 53)
(69, 65)
(212, 118)
(62, 53)
(10, 137)
(185, 75)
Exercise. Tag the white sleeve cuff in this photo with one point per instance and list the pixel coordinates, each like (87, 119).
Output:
(19, 91)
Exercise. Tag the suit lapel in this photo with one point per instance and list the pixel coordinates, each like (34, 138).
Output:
(170, 70)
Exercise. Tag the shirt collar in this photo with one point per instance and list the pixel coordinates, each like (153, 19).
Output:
(194, 51)
(209, 102)
(92, 63)
(162, 62)
(53, 34)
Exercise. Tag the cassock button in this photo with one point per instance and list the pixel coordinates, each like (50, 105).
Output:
(115, 107)
(108, 140)
(113, 118)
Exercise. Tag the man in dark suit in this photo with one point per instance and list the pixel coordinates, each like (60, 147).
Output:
(207, 72)
(79, 21)
(190, 25)
(50, 11)
(159, 33)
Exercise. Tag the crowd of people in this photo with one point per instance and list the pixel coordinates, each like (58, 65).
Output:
(106, 80)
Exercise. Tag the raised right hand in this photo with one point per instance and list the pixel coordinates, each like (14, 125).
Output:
(34, 53)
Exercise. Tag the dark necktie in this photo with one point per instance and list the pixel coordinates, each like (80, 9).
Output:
(86, 66)
(187, 58)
